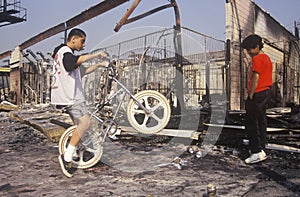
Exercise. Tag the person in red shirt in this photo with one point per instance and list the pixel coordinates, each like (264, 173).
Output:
(259, 84)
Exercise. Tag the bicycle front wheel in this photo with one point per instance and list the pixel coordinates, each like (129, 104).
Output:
(89, 150)
(155, 119)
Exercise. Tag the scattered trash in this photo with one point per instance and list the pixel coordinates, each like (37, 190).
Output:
(236, 152)
(193, 149)
(199, 154)
(211, 190)
(177, 162)
(245, 142)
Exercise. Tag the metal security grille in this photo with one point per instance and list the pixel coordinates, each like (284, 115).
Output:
(148, 62)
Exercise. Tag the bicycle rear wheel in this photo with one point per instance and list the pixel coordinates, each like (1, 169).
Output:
(89, 149)
(158, 116)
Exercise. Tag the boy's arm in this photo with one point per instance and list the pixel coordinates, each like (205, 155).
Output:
(87, 57)
(255, 77)
(95, 66)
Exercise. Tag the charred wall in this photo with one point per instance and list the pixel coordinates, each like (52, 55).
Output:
(244, 18)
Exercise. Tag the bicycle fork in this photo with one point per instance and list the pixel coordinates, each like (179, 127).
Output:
(131, 96)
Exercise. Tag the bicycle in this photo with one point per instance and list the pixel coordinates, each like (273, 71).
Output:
(148, 112)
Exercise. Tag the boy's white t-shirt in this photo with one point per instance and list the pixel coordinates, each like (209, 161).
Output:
(66, 86)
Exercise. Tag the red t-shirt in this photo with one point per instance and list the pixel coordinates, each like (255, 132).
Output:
(262, 65)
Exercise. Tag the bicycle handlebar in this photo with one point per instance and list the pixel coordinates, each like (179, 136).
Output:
(112, 68)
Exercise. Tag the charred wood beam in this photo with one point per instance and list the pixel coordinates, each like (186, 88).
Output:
(60, 123)
(177, 38)
(82, 17)
(133, 19)
(42, 36)
(126, 15)
(5, 54)
(96, 10)
(273, 45)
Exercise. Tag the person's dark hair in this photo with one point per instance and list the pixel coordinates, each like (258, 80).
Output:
(76, 32)
(252, 41)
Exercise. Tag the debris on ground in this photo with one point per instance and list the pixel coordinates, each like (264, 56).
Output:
(27, 152)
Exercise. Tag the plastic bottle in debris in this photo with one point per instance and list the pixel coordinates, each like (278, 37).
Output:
(199, 154)
(245, 142)
(193, 149)
(211, 190)
(190, 150)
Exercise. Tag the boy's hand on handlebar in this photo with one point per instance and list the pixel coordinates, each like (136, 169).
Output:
(106, 63)
(103, 54)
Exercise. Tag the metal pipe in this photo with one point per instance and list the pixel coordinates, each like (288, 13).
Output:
(32, 54)
(42, 56)
(178, 55)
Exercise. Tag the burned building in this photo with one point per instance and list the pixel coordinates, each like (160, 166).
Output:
(244, 18)
(212, 69)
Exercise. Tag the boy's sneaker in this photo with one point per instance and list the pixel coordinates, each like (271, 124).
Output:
(256, 157)
(75, 156)
(67, 167)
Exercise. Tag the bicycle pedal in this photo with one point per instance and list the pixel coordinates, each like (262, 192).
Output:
(113, 137)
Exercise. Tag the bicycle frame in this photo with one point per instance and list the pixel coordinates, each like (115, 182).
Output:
(123, 90)
(147, 111)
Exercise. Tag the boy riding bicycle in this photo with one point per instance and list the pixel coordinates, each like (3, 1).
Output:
(67, 89)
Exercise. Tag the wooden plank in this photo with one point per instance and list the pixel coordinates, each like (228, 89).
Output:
(61, 123)
(52, 131)
(282, 148)
(40, 121)
(242, 127)
(169, 132)
(7, 106)
(279, 110)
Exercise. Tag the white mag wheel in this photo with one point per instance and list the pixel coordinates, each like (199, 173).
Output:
(158, 116)
(89, 149)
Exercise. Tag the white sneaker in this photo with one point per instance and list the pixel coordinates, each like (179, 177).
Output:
(75, 156)
(256, 157)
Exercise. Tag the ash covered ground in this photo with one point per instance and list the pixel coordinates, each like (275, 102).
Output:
(29, 167)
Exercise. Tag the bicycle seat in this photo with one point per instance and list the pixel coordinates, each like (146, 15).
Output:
(62, 108)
